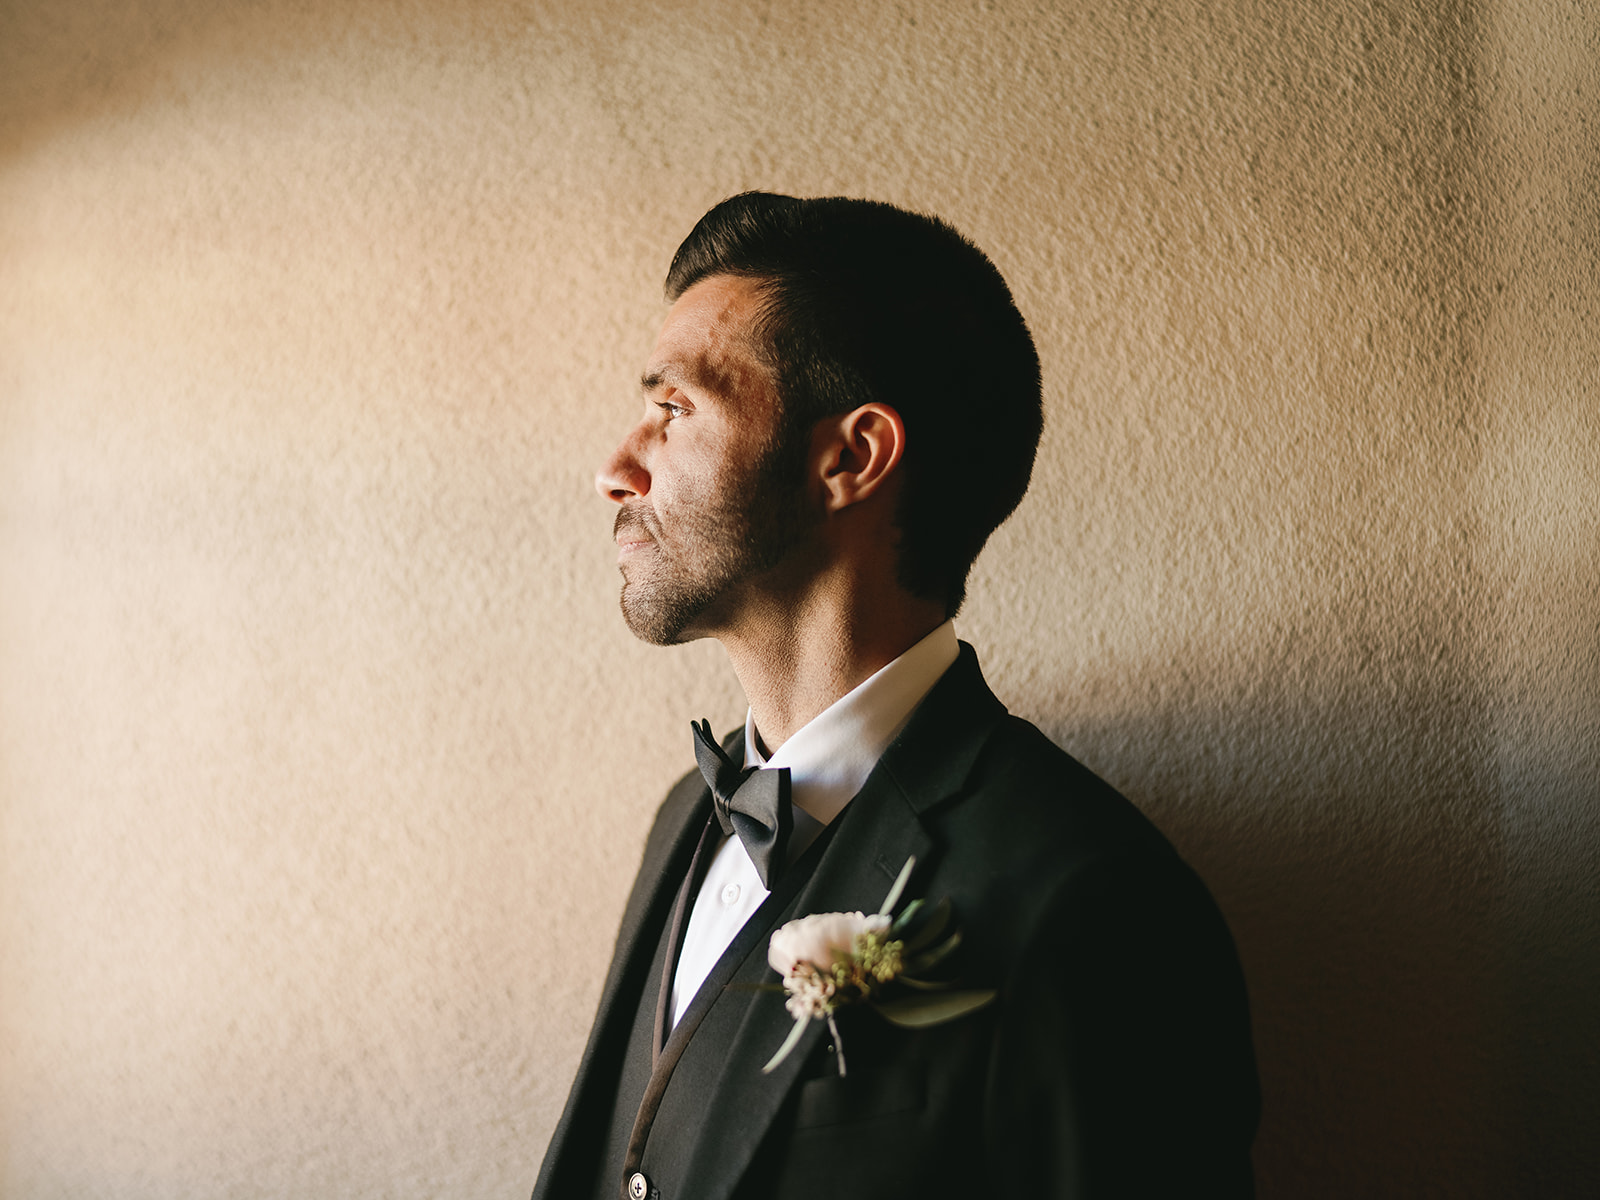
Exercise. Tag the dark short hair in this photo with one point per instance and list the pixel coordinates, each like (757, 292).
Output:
(868, 302)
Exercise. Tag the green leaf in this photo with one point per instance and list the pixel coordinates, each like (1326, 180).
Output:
(904, 918)
(789, 1044)
(920, 1012)
(939, 953)
(931, 928)
(923, 985)
(893, 897)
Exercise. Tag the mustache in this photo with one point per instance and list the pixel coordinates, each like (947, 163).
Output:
(635, 520)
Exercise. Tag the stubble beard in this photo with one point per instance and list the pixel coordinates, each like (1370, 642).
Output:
(714, 548)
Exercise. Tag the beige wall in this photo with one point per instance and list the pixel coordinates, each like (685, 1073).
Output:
(325, 760)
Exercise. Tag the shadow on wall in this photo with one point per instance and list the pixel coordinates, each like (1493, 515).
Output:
(85, 60)
(1360, 878)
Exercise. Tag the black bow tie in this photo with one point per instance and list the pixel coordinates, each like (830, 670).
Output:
(749, 801)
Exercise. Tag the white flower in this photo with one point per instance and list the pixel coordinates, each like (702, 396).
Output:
(810, 992)
(819, 939)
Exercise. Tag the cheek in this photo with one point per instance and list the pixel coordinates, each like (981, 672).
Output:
(697, 479)
(683, 495)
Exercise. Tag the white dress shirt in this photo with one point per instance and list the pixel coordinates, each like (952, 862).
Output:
(828, 760)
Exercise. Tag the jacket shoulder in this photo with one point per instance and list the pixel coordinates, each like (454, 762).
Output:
(1038, 797)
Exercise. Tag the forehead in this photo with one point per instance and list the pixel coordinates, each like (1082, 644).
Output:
(707, 344)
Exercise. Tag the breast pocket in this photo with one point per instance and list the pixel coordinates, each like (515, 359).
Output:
(859, 1098)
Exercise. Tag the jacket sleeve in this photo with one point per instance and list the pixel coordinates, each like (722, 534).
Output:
(1123, 1065)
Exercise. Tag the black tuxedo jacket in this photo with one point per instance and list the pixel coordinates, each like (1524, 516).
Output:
(1116, 1061)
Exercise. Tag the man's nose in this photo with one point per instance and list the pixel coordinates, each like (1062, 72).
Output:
(623, 475)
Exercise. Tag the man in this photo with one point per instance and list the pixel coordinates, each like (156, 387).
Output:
(842, 405)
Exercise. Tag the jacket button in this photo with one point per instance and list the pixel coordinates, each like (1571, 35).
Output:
(638, 1186)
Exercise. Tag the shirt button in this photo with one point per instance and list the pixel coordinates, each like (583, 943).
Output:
(730, 894)
(638, 1186)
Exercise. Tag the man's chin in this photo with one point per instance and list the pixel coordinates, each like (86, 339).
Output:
(660, 624)
(661, 635)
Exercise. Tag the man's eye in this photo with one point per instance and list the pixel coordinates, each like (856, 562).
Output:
(672, 410)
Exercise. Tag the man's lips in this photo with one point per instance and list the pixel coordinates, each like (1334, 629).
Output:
(627, 546)
(631, 534)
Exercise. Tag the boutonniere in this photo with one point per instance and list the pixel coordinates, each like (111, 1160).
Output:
(830, 960)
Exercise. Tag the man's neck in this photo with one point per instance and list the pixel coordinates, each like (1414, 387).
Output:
(793, 665)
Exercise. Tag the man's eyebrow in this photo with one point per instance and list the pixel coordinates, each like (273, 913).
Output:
(659, 378)
(705, 380)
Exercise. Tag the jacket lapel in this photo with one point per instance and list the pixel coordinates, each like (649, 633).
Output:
(573, 1145)
(880, 829)
(666, 860)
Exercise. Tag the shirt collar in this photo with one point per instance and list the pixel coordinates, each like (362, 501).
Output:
(830, 757)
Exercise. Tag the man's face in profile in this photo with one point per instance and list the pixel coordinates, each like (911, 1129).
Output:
(703, 509)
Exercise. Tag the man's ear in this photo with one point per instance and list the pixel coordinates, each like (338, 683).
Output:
(857, 453)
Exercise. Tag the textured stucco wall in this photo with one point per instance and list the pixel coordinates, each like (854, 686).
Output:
(325, 761)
